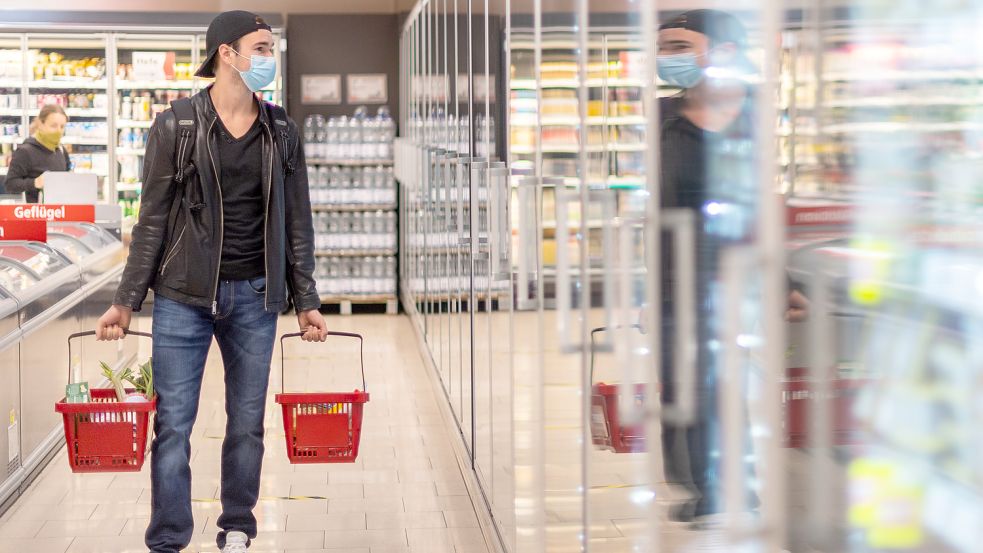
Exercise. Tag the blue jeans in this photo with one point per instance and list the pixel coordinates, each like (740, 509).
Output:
(245, 333)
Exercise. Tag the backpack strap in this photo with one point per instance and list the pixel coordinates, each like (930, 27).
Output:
(184, 143)
(281, 128)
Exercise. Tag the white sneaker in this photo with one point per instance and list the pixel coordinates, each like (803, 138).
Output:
(235, 542)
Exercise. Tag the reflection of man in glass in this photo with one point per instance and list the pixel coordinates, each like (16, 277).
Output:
(707, 156)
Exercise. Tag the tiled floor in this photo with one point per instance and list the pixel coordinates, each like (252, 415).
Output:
(405, 494)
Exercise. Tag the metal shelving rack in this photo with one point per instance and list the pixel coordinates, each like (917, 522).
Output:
(346, 301)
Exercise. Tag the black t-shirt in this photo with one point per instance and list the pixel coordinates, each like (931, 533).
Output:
(241, 176)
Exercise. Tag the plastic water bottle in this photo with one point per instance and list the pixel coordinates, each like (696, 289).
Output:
(390, 231)
(387, 133)
(310, 137)
(343, 151)
(332, 139)
(320, 137)
(390, 276)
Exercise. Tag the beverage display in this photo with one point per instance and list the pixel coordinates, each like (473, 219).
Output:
(360, 137)
(352, 186)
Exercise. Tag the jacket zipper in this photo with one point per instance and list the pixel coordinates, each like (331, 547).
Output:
(266, 221)
(221, 213)
(177, 246)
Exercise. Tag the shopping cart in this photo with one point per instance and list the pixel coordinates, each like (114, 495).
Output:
(322, 427)
(606, 428)
(105, 435)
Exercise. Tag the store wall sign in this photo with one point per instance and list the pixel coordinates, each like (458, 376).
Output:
(320, 89)
(368, 88)
(153, 66)
(48, 212)
(31, 229)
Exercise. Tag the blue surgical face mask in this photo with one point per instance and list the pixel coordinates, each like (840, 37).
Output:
(261, 72)
(680, 70)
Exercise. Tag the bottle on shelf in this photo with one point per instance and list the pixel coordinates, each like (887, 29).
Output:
(332, 139)
(310, 136)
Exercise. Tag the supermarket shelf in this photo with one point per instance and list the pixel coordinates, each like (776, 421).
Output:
(594, 223)
(129, 187)
(614, 82)
(362, 252)
(11, 83)
(525, 120)
(878, 102)
(887, 127)
(155, 85)
(3, 170)
(349, 162)
(353, 207)
(903, 76)
(11, 139)
(78, 84)
(574, 149)
(131, 151)
(71, 112)
(375, 298)
(85, 141)
(129, 124)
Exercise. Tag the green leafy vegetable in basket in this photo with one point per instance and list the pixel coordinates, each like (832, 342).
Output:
(145, 382)
(117, 379)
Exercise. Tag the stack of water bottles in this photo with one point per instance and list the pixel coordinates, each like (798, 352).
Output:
(351, 186)
(356, 138)
(336, 232)
(357, 276)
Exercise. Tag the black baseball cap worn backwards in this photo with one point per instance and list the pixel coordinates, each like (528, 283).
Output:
(719, 26)
(226, 28)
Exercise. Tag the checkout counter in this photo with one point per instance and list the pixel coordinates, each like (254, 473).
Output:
(47, 292)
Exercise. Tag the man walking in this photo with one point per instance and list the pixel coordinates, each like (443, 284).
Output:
(224, 235)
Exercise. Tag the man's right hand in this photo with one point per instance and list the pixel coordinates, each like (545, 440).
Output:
(114, 323)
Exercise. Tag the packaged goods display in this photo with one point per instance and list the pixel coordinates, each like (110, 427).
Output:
(355, 231)
(353, 192)
(346, 186)
(357, 276)
(360, 137)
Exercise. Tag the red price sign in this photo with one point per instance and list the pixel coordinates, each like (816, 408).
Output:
(48, 212)
(35, 230)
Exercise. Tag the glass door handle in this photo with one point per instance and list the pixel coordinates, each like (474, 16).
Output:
(530, 232)
(564, 288)
(681, 224)
(499, 223)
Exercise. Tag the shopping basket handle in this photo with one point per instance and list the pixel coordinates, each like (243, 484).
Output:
(93, 333)
(361, 353)
(593, 342)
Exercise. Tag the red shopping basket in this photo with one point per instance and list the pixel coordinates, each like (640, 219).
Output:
(606, 428)
(105, 435)
(322, 427)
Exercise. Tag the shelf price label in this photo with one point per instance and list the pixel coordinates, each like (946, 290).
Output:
(48, 212)
(34, 230)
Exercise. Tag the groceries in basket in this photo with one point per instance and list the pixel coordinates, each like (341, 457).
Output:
(109, 432)
(323, 427)
(143, 384)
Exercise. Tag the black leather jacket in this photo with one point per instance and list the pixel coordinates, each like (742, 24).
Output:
(179, 256)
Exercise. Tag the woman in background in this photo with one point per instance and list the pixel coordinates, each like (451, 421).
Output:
(39, 153)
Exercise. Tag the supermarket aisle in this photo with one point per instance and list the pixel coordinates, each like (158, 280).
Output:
(405, 494)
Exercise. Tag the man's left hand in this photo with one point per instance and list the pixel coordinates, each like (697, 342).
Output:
(313, 325)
